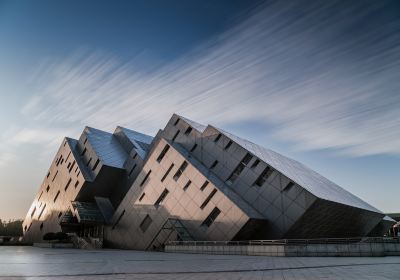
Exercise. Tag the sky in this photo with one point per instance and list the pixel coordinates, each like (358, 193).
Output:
(318, 81)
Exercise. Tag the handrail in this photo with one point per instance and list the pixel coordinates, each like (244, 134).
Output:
(288, 241)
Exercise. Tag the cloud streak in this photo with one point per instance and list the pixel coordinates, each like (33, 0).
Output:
(301, 70)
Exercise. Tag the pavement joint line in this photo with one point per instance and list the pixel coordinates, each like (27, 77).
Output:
(195, 272)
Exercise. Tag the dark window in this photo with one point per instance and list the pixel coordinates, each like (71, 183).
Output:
(254, 165)
(176, 135)
(41, 212)
(133, 168)
(187, 185)
(67, 185)
(145, 178)
(211, 218)
(203, 187)
(163, 152)
(40, 195)
(118, 220)
(55, 198)
(76, 184)
(33, 212)
(72, 166)
(48, 188)
(141, 197)
(144, 225)
(228, 145)
(193, 148)
(210, 196)
(288, 186)
(166, 173)
(177, 121)
(96, 164)
(83, 152)
(232, 178)
(180, 170)
(214, 164)
(188, 130)
(217, 138)
(55, 175)
(161, 198)
(263, 176)
(41, 226)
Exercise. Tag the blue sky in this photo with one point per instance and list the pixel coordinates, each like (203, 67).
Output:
(316, 81)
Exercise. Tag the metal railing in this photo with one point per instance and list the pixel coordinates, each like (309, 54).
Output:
(288, 241)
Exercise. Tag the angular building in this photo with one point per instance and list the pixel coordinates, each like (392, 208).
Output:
(189, 182)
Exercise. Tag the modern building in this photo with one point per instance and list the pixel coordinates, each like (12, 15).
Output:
(189, 182)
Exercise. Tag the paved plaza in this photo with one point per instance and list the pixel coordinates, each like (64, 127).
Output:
(38, 263)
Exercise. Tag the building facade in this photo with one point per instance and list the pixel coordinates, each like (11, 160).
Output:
(189, 182)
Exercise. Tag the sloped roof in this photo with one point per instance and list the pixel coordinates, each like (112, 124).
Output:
(194, 124)
(142, 142)
(302, 175)
(106, 147)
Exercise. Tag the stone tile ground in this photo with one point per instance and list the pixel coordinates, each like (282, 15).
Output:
(37, 263)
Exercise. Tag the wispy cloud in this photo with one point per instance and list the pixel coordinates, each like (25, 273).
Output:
(320, 83)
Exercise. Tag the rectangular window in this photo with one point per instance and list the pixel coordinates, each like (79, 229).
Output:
(96, 164)
(254, 165)
(161, 198)
(144, 225)
(214, 164)
(176, 135)
(228, 145)
(288, 186)
(187, 185)
(180, 170)
(55, 198)
(141, 197)
(55, 175)
(263, 176)
(177, 121)
(41, 212)
(166, 173)
(133, 168)
(188, 130)
(217, 138)
(210, 196)
(193, 148)
(203, 187)
(145, 178)
(232, 178)
(211, 218)
(118, 220)
(33, 212)
(163, 152)
(67, 185)
(72, 166)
